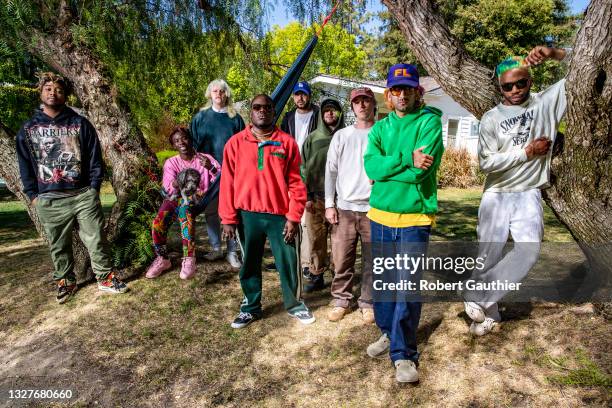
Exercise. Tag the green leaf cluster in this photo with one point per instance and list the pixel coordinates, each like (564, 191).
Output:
(17, 103)
(134, 244)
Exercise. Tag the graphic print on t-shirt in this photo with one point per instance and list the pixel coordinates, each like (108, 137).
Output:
(57, 152)
(518, 127)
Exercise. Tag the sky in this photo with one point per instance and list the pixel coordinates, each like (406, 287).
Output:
(279, 16)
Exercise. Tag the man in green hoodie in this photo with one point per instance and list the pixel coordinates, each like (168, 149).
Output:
(314, 157)
(403, 154)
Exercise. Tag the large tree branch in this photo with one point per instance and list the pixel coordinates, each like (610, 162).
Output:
(443, 56)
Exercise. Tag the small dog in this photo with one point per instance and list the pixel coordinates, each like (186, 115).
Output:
(188, 181)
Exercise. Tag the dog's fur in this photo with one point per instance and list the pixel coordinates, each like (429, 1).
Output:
(188, 181)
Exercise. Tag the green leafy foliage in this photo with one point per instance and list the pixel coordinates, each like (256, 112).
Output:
(134, 244)
(335, 54)
(16, 105)
(164, 155)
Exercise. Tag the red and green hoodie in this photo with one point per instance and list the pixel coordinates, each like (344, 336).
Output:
(261, 177)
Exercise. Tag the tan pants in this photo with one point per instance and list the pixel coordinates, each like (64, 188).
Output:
(304, 244)
(317, 229)
(352, 226)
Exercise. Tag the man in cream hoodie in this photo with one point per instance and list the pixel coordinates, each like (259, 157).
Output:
(347, 196)
(514, 151)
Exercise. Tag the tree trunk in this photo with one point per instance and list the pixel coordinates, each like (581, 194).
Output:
(468, 82)
(581, 188)
(9, 171)
(123, 144)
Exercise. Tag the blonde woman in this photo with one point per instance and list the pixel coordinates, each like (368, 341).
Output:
(211, 128)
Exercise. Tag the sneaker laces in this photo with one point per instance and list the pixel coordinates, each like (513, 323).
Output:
(158, 261)
(301, 313)
(245, 315)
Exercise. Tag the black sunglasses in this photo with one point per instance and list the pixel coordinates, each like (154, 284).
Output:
(520, 84)
(258, 107)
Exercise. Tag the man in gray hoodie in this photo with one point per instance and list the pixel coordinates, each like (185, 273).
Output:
(514, 151)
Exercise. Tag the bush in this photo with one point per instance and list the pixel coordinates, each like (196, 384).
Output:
(134, 244)
(458, 169)
(17, 103)
(165, 155)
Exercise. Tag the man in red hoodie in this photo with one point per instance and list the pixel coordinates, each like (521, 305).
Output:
(262, 195)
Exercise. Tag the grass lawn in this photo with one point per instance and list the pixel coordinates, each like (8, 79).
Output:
(168, 342)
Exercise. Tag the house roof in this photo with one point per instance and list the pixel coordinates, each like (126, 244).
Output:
(427, 82)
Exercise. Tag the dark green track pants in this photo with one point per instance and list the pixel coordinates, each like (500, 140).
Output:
(253, 230)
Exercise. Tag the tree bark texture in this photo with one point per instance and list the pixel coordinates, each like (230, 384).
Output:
(9, 171)
(581, 188)
(470, 83)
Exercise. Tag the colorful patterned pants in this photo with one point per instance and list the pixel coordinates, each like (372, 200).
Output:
(170, 211)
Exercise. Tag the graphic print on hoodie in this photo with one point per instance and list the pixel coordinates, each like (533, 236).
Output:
(56, 149)
(61, 153)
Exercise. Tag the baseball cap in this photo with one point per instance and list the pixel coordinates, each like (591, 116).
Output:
(361, 92)
(403, 74)
(302, 87)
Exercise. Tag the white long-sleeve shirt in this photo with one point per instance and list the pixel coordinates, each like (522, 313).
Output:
(344, 171)
(505, 131)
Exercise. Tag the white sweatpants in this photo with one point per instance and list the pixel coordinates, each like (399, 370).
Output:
(500, 214)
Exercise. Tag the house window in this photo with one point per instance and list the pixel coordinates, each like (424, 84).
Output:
(451, 133)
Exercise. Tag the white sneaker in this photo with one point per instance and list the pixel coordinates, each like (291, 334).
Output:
(234, 260)
(480, 329)
(379, 347)
(405, 371)
(304, 316)
(474, 311)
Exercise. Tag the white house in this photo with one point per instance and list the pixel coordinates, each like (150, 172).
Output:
(459, 127)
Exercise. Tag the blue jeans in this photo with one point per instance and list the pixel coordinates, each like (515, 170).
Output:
(210, 207)
(399, 319)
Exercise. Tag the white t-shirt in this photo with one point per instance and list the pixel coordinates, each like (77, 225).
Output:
(302, 122)
(505, 131)
(344, 171)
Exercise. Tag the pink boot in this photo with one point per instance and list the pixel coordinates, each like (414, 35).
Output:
(189, 267)
(159, 265)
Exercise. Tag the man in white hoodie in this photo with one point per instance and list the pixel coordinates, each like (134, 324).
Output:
(514, 151)
(347, 195)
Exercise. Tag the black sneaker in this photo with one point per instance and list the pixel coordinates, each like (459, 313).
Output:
(244, 319)
(316, 282)
(306, 273)
(112, 284)
(65, 290)
(304, 316)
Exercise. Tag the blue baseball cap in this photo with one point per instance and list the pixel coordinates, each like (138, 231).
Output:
(302, 87)
(403, 74)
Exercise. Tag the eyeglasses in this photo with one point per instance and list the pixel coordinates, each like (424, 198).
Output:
(258, 107)
(397, 90)
(520, 84)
